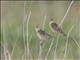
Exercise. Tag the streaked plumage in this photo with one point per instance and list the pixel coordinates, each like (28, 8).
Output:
(55, 28)
(42, 35)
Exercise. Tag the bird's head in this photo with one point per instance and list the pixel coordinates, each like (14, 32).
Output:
(51, 21)
(37, 28)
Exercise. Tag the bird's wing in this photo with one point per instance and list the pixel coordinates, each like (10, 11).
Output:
(43, 33)
(55, 27)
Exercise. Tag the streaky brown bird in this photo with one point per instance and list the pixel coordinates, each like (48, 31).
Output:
(55, 28)
(42, 35)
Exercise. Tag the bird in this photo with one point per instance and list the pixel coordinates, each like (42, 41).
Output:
(42, 35)
(55, 28)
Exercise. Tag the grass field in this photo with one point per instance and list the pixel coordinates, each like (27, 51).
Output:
(18, 37)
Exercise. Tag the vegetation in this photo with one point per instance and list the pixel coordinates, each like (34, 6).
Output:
(18, 37)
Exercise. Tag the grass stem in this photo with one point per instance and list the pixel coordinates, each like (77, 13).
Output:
(67, 42)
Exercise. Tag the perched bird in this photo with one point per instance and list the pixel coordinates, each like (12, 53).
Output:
(55, 28)
(42, 35)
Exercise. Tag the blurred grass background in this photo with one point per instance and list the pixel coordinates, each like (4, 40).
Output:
(14, 29)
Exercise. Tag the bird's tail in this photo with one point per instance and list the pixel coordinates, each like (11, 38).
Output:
(63, 33)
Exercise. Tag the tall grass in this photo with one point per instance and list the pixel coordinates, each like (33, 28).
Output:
(66, 13)
(18, 37)
(67, 42)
